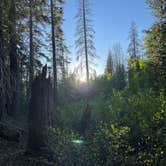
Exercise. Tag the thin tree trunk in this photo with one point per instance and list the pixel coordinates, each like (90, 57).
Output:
(63, 62)
(86, 117)
(85, 42)
(54, 50)
(134, 53)
(31, 56)
(1, 66)
(14, 65)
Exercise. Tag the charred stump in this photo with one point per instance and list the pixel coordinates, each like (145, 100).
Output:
(86, 121)
(40, 112)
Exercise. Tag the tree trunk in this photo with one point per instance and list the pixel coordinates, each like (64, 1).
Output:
(85, 42)
(31, 48)
(53, 50)
(86, 121)
(40, 112)
(14, 64)
(1, 66)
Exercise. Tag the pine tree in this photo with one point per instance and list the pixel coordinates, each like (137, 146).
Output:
(14, 59)
(21, 47)
(117, 55)
(58, 46)
(133, 48)
(37, 20)
(159, 7)
(86, 54)
(85, 33)
(5, 59)
(54, 55)
(61, 47)
(155, 44)
(119, 77)
(109, 66)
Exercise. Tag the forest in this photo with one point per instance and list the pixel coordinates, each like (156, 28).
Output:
(54, 112)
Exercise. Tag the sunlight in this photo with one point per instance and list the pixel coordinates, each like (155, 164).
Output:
(78, 141)
(82, 78)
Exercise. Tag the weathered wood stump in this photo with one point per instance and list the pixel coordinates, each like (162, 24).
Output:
(40, 112)
(86, 121)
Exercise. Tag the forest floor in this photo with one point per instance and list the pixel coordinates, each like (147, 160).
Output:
(13, 151)
(14, 154)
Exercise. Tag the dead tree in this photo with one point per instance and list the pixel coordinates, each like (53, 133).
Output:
(40, 112)
(86, 121)
(1, 66)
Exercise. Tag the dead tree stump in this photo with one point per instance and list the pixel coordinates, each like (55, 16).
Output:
(40, 112)
(86, 122)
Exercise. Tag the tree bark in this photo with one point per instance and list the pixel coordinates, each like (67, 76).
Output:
(40, 112)
(14, 61)
(53, 50)
(1, 66)
(85, 42)
(86, 121)
(31, 48)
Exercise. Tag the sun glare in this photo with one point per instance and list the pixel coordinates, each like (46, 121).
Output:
(82, 78)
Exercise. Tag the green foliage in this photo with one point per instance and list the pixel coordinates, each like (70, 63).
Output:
(128, 123)
(159, 8)
(60, 142)
(155, 44)
(109, 66)
(71, 115)
(128, 116)
(138, 75)
(105, 85)
(133, 131)
(119, 77)
(108, 146)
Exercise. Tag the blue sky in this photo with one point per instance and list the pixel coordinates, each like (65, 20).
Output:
(112, 20)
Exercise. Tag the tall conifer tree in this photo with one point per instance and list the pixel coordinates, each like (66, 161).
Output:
(85, 35)
(133, 48)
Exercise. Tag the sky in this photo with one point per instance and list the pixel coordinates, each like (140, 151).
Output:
(112, 20)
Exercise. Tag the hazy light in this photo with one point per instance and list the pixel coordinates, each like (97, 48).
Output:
(78, 142)
(82, 78)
